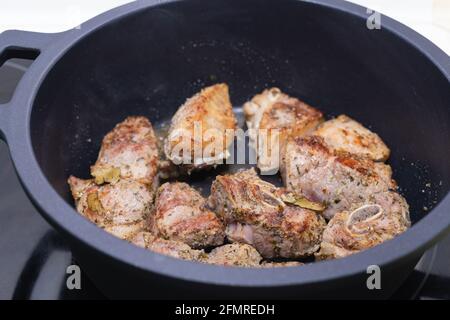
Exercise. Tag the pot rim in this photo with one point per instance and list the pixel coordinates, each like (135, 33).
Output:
(60, 214)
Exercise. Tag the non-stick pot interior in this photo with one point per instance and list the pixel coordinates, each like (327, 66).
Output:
(149, 62)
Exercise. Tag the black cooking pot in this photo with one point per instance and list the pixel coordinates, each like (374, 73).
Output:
(147, 57)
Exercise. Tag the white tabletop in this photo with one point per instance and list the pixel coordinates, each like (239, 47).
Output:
(431, 18)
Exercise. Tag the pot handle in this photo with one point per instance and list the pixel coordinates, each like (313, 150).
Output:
(22, 45)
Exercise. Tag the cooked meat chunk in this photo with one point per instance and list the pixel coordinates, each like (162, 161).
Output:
(348, 135)
(380, 219)
(256, 214)
(120, 208)
(171, 248)
(338, 180)
(202, 130)
(272, 116)
(267, 264)
(181, 214)
(129, 151)
(236, 254)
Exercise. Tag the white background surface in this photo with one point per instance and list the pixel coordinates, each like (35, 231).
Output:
(429, 17)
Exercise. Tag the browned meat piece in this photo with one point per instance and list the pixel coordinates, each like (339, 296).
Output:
(181, 214)
(348, 135)
(120, 208)
(129, 151)
(202, 130)
(171, 248)
(256, 214)
(339, 181)
(365, 227)
(271, 117)
(236, 254)
(267, 264)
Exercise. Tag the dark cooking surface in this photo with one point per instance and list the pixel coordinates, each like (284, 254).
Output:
(34, 258)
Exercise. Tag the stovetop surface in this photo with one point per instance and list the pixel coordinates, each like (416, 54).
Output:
(34, 258)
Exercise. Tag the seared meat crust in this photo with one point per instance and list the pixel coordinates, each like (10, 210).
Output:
(172, 248)
(119, 208)
(256, 214)
(209, 113)
(338, 180)
(181, 214)
(129, 151)
(271, 117)
(236, 254)
(344, 134)
(379, 220)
